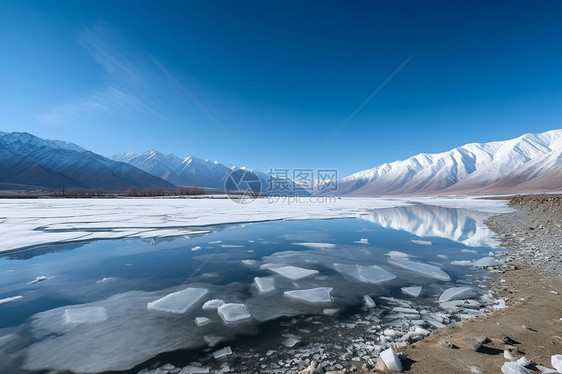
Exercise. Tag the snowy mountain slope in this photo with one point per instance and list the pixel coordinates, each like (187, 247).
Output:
(37, 163)
(193, 171)
(477, 167)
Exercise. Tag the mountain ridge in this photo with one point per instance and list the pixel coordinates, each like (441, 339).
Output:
(471, 168)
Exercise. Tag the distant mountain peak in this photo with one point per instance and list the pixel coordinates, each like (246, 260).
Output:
(473, 167)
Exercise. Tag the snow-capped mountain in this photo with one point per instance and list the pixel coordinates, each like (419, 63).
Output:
(27, 161)
(530, 162)
(193, 171)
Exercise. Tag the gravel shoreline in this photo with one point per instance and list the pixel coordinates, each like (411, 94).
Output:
(533, 232)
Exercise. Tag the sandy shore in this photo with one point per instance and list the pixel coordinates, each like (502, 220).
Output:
(531, 284)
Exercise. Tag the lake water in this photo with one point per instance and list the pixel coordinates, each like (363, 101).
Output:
(95, 309)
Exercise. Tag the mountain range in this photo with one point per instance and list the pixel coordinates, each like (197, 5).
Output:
(193, 171)
(532, 162)
(28, 162)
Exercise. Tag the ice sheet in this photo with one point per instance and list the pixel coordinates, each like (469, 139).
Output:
(178, 302)
(431, 271)
(368, 274)
(34, 222)
(313, 295)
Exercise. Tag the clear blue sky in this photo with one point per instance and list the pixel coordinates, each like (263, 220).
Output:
(280, 76)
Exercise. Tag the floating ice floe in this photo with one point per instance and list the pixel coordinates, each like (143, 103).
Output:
(465, 250)
(90, 314)
(412, 291)
(197, 248)
(421, 242)
(313, 295)
(368, 274)
(201, 321)
(191, 369)
(391, 360)
(226, 351)
(397, 254)
(103, 280)
(212, 304)
(250, 263)
(264, 284)
(330, 311)
(421, 268)
(38, 279)
(178, 302)
(232, 246)
(456, 293)
(10, 299)
(316, 245)
(290, 342)
(362, 241)
(233, 312)
(290, 272)
(487, 261)
(461, 262)
(369, 301)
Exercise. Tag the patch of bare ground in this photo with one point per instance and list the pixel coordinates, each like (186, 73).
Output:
(531, 283)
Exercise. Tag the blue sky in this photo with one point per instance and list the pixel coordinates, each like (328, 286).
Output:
(280, 77)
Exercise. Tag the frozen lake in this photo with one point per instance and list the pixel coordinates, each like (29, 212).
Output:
(265, 291)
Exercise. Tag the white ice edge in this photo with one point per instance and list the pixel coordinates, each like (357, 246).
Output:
(36, 222)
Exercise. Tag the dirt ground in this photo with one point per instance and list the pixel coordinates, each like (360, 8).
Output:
(531, 283)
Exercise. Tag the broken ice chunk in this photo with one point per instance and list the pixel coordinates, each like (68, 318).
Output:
(92, 314)
(212, 340)
(38, 279)
(290, 342)
(556, 362)
(391, 360)
(369, 301)
(513, 367)
(368, 274)
(316, 245)
(212, 304)
(313, 295)
(461, 262)
(233, 312)
(330, 311)
(194, 249)
(201, 321)
(456, 293)
(222, 352)
(412, 291)
(421, 242)
(421, 268)
(486, 261)
(264, 284)
(191, 369)
(178, 302)
(290, 272)
(397, 254)
(10, 299)
(362, 241)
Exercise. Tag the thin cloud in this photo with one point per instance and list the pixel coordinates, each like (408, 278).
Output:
(124, 92)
